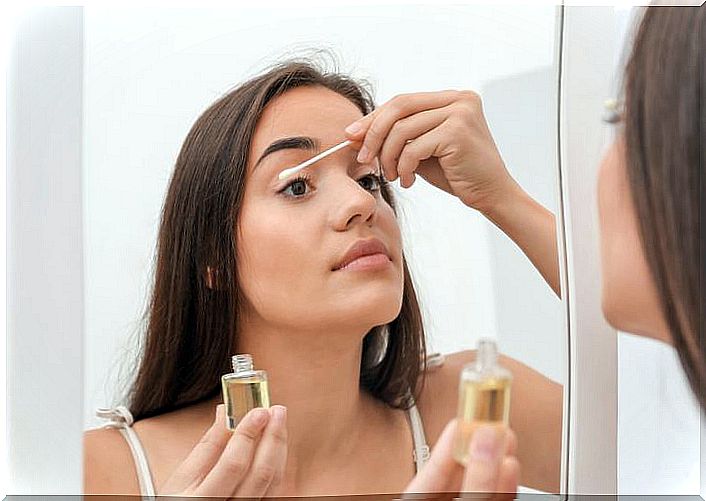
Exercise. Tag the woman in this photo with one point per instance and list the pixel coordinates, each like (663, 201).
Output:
(251, 264)
(652, 207)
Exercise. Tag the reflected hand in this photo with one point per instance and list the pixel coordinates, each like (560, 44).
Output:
(248, 461)
(442, 136)
(492, 472)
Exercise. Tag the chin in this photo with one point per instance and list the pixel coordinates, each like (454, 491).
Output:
(615, 310)
(388, 308)
(611, 313)
(625, 317)
(371, 307)
(389, 314)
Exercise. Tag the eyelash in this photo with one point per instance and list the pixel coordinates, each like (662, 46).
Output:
(306, 178)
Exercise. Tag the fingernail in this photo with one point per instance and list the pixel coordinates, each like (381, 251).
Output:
(363, 154)
(353, 128)
(485, 444)
(260, 415)
(280, 413)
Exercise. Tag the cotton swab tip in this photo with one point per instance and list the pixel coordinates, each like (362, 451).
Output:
(293, 170)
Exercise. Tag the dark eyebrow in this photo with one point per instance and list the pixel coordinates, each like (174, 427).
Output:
(296, 142)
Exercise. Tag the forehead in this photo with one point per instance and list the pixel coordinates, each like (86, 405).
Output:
(313, 111)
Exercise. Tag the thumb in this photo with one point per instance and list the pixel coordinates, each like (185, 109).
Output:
(484, 460)
(441, 473)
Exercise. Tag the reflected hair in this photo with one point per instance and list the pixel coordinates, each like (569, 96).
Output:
(665, 136)
(191, 329)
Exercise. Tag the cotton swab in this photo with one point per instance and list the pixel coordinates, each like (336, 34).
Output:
(293, 170)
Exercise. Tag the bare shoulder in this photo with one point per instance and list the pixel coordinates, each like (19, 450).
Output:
(166, 439)
(108, 467)
(439, 398)
(535, 414)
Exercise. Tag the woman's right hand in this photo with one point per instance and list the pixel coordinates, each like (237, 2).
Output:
(248, 461)
(492, 471)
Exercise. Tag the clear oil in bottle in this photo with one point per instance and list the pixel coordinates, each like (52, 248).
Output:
(243, 389)
(484, 396)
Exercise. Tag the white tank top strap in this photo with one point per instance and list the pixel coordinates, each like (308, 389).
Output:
(121, 418)
(435, 360)
(421, 451)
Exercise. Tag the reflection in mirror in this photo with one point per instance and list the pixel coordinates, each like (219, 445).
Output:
(196, 251)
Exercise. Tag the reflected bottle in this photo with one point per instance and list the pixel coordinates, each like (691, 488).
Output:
(243, 389)
(484, 396)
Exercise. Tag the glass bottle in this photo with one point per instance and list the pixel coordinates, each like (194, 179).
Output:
(484, 396)
(243, 389)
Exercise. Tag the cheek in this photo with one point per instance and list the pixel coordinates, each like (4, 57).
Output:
(612, 257)
(629, 298)
(276, 262)
(392, 232)
(609, 215)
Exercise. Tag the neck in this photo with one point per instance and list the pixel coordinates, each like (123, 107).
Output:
(315, 374)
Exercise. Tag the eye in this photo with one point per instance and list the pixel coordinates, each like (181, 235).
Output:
(298, 186)
(372, 180)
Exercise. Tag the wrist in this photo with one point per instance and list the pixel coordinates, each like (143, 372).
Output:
(503, 203)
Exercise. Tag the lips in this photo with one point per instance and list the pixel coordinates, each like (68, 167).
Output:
(362, 248)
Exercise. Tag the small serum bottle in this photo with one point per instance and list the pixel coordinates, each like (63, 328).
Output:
(243, 390)
(484, 396)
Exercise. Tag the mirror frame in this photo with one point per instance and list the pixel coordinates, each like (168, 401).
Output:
(592, 453)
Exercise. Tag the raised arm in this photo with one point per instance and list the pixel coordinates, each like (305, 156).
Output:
(444, 137)
(531, 226)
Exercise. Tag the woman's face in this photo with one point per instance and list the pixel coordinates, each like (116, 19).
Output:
(630, 301)
(292, 234)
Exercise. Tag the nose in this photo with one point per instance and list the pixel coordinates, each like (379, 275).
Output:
(353, 205)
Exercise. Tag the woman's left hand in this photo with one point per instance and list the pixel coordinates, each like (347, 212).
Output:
(442, 136)
(492, 471)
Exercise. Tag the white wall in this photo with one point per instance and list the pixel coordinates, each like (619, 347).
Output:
(150, 72)
(658, 421)
(44, 267)
(529, 321)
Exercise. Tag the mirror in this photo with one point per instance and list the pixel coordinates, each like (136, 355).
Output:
(150, 73)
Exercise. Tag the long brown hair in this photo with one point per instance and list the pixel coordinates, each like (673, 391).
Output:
(665, 136)
(191, 328)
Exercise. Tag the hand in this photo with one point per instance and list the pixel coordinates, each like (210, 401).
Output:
(492, 471)
(248, 461)
(442, 136)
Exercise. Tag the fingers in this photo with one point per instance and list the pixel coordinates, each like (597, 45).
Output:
(408, 128)
(203, 456)
(508, 479)
(375, 126)
(414, 152)
(267, 469)
(442, 472)
(492, 471)
(234, 462)
(486, 456)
